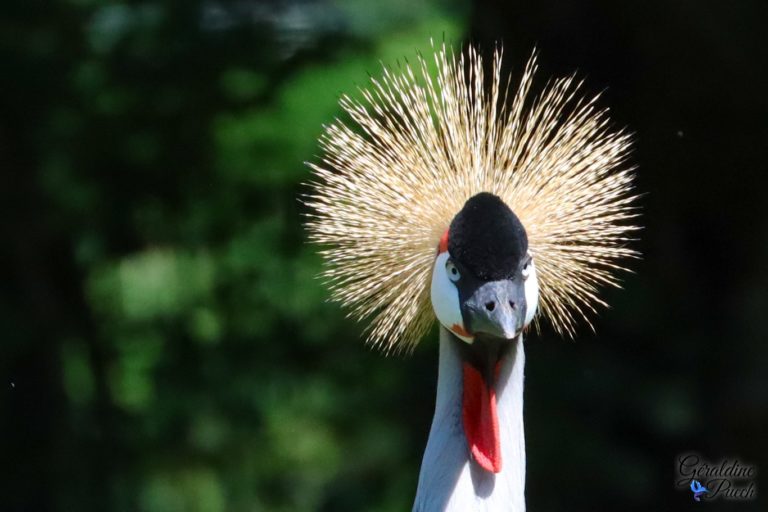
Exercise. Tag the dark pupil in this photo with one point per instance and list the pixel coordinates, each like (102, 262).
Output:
(454, 271)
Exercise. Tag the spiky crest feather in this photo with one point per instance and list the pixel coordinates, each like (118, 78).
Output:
(423, 144)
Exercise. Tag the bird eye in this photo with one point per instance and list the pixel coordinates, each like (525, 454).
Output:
(526, 270)
(453, 273)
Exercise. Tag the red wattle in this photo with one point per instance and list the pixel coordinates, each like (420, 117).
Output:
(481, 424)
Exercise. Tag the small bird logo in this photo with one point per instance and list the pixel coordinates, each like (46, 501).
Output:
(698, 490)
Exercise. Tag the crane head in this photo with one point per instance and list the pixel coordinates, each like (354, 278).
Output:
(424, 141)
(484, 279)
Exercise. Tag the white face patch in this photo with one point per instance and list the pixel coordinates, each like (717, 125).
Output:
(445, 298)
(531, 292)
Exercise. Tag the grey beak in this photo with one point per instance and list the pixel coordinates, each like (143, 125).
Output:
(496, 308)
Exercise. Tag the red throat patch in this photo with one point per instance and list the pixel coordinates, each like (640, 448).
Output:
(481, 423)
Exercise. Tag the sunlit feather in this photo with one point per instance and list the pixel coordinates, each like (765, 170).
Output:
(423, 140)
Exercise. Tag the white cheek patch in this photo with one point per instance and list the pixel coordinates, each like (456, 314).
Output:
(531, 295)
(445, 299)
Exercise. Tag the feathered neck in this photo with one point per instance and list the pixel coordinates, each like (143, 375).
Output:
(449, 479)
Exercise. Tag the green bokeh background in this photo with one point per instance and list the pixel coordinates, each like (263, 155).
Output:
(167, 347)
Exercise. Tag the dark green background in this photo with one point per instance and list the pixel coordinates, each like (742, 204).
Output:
(165, 346)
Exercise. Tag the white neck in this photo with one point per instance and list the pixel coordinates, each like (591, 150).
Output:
(450, 480)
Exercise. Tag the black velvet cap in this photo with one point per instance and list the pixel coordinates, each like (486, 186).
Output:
(487, 238)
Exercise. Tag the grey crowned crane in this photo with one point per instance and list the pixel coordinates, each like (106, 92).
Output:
(485, 210)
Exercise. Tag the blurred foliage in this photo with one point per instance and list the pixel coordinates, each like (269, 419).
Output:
(166, 345)
(192, 357)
